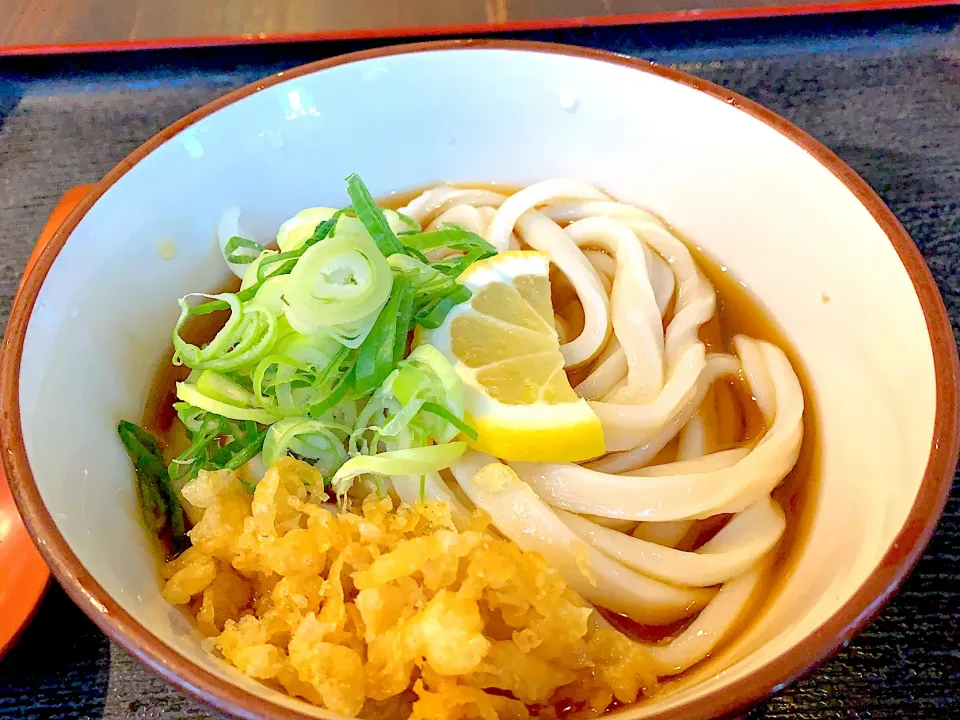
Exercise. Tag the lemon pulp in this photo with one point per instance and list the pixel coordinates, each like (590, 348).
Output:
(504, 346)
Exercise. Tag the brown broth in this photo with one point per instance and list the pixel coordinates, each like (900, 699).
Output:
(399, 198)
(158, 413)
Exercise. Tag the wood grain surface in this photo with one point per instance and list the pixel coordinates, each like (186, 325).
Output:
(882, 90)
(30, 23)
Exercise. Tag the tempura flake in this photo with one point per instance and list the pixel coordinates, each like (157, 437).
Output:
(390, 611)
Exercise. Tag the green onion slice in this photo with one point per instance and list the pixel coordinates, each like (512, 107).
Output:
(414, 461)
(247, 336)
(372, 217)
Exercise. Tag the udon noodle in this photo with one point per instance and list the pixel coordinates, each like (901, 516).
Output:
(630, 328)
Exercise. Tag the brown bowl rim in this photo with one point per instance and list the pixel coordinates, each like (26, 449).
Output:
(818, 646)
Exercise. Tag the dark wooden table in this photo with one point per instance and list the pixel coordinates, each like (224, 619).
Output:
(881, 90)
(53, 25)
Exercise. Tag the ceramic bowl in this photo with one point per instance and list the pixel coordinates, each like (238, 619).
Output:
(797, 227)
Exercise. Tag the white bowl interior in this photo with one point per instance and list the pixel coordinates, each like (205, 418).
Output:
(759, 204)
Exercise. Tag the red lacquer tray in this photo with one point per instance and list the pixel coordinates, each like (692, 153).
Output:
(23, 574)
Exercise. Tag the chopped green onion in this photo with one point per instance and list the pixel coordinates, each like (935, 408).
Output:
(190, 394)
(328, 228)
(372, 217)
(223, 389)
(310, 360)
(378, 356)
(303, 227)
(251, 273)
(193, 418)
(146, 439)
(215, 305)
(454, 266)
(338, 393)
(393, 414)
(449, 236)
(241, 251)
(413, 461)
(285, 260)
(432, 315)
(406, 307)
(412, 224)
(159, 502)
(438, 292)
(343, 366)
(416, 255)
(247, 336)
(342, 281)
(270, 296)
(459, 424)
(249, 290)
(276, 392)
(144, 452)
(205, 452)
(250, 451)
(311, 439)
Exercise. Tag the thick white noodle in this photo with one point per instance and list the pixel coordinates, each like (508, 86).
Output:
(653, 439)
(488, 213)
(743, 541)
(436, 200)
(605, 375)
(695, 298)
(520, 515)
(693, 443)
(627, 425)
(542, 234)
(633, 304)
(604, 280)
(661, 276)
(665, 534)
(691, 489)
(531, 197)
(701, 636)
(605, 265)
(693, 440)
(624, 526)
(466, 216)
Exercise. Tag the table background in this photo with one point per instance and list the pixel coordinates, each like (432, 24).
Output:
(44, 26)
(882, 90)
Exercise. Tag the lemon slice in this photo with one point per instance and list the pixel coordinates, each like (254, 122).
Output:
(505, 348)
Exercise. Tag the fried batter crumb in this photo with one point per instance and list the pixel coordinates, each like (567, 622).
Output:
(391, 612)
